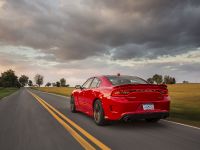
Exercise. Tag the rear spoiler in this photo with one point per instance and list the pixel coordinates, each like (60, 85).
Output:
(135, 85)
(163, 85)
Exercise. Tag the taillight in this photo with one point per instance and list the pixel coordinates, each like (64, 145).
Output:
(121, 92)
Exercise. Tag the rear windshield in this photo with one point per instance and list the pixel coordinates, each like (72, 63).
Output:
(121, 80)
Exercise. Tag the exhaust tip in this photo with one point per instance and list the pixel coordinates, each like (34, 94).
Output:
(126, 119)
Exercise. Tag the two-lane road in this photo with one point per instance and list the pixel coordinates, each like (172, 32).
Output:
(25, 124)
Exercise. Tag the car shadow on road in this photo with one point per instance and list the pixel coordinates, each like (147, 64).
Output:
(122, 125)
(137, 124)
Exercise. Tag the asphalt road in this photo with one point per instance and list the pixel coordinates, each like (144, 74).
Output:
(25, 124)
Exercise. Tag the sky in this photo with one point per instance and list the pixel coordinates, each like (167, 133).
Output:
(76, 39)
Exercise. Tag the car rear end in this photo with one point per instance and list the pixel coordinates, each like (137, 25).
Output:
(137, 101)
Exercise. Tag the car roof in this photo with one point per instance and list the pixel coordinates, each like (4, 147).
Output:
(102, 76)
(120, 76)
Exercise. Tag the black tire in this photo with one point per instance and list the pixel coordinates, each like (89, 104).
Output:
(72, 105)
(98, 113)
(152, 119)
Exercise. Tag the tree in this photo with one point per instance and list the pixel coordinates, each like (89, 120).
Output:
(39, 79)
(30, 83)
(48, 84)
(58, 84)
(53, 84)
(0, 82)
(18, 84)
(158, 78)
(150, 80)
(169, 80)
(173, 81)
(23, 80)
(183, 82)
(9, 79)
(62, 82)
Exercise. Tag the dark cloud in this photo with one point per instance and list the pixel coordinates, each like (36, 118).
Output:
(73, 30)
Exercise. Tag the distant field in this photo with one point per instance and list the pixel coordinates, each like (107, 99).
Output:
(6, 91)
(185, 101)
(66, 91)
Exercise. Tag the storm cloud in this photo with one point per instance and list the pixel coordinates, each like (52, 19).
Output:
(74, 30)
(79, 38)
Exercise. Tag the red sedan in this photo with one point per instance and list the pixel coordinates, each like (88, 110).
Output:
(112, 97)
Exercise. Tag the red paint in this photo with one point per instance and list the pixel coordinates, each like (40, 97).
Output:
(122, 100)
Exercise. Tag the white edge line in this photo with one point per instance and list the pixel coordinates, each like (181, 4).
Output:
(182, 124)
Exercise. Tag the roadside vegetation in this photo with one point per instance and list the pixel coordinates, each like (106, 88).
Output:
(65, 91)
(185, 103)
(159, 79)
(10, 83)
(8, 79)
(6, 91)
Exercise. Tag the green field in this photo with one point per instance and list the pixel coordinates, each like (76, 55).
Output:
(185, 101)
(66, 91)
(6, 91)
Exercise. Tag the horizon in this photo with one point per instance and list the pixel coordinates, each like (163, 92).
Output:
(73, 85)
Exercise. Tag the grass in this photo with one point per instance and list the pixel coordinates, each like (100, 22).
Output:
(6, 91)
(65, 91)
(185, 101)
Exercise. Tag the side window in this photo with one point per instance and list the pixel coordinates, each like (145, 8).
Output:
(95, 83)
(86, 85)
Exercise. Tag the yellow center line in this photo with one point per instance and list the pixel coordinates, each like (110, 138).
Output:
(82, 141)
(84, 132)
(89, 136)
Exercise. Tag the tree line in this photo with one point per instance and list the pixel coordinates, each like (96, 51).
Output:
(10, 79)
(61, 83)
(159, 79)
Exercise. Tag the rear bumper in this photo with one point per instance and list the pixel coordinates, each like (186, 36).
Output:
(148, 115)
(116, 109)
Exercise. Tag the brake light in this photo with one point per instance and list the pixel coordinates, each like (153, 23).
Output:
(121, 92)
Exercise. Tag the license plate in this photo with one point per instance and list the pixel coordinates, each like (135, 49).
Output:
(148, 106)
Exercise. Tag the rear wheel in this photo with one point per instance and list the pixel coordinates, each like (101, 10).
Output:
(98, 113)
(152, 119)
(72, 105)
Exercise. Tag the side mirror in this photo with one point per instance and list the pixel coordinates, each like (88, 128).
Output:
(78, 87)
